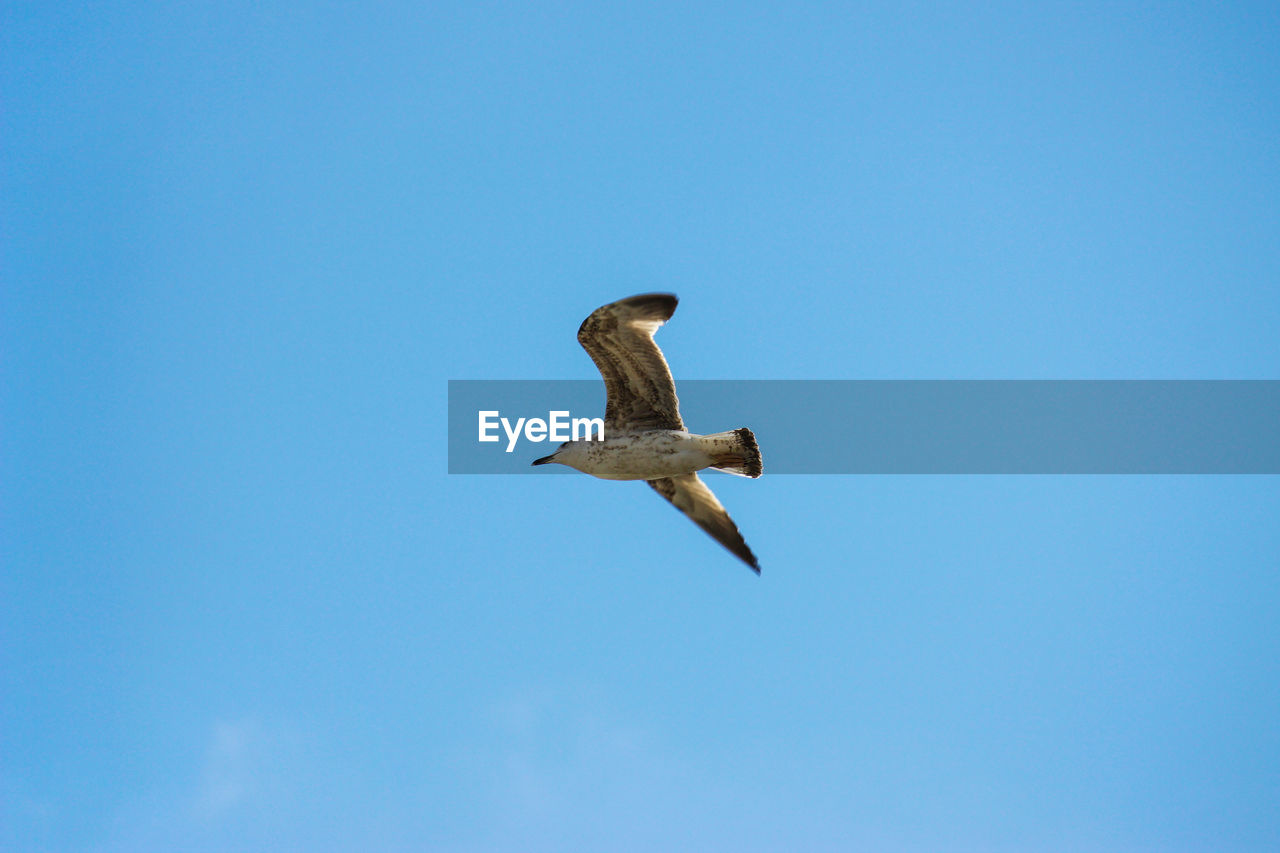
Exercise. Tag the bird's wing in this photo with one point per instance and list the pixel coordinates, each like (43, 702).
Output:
(619, 339)
(692, 497)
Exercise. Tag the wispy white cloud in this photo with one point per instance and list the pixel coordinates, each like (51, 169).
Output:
(241, 775)
(564, 767)
(234, 762)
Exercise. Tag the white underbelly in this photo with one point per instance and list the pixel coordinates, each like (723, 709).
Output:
(648, 456)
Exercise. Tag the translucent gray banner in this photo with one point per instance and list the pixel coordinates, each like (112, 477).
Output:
(908, 427)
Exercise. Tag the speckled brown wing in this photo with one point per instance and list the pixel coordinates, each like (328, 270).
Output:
(691, 496)
(619, 339)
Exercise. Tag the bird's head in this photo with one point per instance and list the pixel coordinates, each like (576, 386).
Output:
(554, 457)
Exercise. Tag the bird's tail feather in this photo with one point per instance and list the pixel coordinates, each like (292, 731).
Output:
(735, 452)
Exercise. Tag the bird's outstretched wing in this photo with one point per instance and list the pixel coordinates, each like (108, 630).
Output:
(692, 497)
(619, 339)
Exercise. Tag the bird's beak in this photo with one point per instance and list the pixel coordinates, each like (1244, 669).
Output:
(544, 460)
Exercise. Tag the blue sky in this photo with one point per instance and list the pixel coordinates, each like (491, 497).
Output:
(245, 245)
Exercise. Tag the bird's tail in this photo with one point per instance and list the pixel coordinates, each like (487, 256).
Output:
(734, 452)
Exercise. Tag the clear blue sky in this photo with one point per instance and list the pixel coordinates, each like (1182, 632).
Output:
(245, 245)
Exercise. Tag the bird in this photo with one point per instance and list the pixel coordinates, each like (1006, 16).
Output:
(644, 435)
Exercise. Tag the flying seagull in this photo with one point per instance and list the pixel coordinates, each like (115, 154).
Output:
(644, 437)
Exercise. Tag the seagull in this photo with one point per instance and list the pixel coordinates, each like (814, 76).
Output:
(644, 437)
